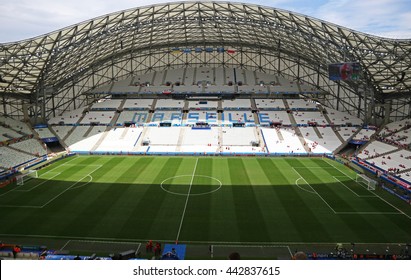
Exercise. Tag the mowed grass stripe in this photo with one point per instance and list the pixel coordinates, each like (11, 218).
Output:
(250, 221)
(33, 218)
(197, 219)
(305, 211)
(340, 201)
(279, 224)
(88, 206)
(47, 191)
(338, 196)
(140, 212)
(223, 216)
(157, 214)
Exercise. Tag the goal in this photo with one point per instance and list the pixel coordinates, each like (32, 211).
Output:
(20, 179)
(370, 183)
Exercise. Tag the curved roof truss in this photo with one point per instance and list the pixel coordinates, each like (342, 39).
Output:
(297, 45)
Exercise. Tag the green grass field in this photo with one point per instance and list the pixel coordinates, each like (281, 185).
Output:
(202, 200)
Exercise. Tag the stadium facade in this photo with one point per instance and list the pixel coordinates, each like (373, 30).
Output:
(60, 71)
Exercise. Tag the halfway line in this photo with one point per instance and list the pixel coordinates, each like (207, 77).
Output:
(188, 196)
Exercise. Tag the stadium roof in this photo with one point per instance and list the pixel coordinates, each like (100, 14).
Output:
(52, 60)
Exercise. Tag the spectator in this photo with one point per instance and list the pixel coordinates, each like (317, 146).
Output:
(234, 256)
(300, 255)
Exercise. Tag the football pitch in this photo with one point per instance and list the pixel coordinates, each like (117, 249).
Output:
(204, 200)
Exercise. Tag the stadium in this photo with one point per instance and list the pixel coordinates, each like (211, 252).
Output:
(210, 127)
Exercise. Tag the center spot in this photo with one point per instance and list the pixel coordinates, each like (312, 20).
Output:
(200, 185)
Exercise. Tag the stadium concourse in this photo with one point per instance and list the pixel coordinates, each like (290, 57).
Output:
(229, 80)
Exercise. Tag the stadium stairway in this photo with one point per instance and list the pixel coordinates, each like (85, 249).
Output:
(154, 78)
(258, 135)
(113, 121)
(145, 131)
(184, 75)
(121, 106)
(74, 126)
(220, 139)
(280, 135)
(88, 131)
(51, 128)
(287, 107)
(244, 76)
(163, 79)
(256, 119)
(345, 142)
(296, 129)
(318, 132)
(149, 117)
(123, 135)
(180, 138)
(102, 137)
(154, 105)
(253, 105)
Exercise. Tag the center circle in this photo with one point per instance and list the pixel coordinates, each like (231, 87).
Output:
(186, 181)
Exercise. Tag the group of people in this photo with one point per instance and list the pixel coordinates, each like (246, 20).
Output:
(151, 248)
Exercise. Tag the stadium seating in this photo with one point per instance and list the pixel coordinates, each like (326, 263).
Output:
(83, 132)
(346, 132)
(393, 127)
(207, 116)
(395, 162)
(16, 125)
(85, 144)
(98, 117)
(175, 117)
(68, 117)
(137, 117)
(155, 89)
(233, 116)
(375, 149)
(301, 104)
(200, 137)
(62, 130)
(270, 104)
(257, 89)
(236, 104)
(138, 104)
(120, 140)
(174, 76)
(31, 146)
(326, 142)
(206, 104)
(169, 104)
(341, 118)
(305, 117)
(289, 143)
(266, 117)
(8, 134)
(364, 134)
(163, 136)
(10, 158)
(44, 133)
(107, 104)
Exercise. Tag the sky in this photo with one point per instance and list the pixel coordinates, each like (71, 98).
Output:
(24, 19)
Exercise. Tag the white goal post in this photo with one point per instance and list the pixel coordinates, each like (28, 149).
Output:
(20, 179)
(370, 183)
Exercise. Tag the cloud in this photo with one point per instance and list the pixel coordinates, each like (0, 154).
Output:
(378, 17)
(23, 19)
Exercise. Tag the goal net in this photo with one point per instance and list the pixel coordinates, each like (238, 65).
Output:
(370, 183)
(21, 179)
